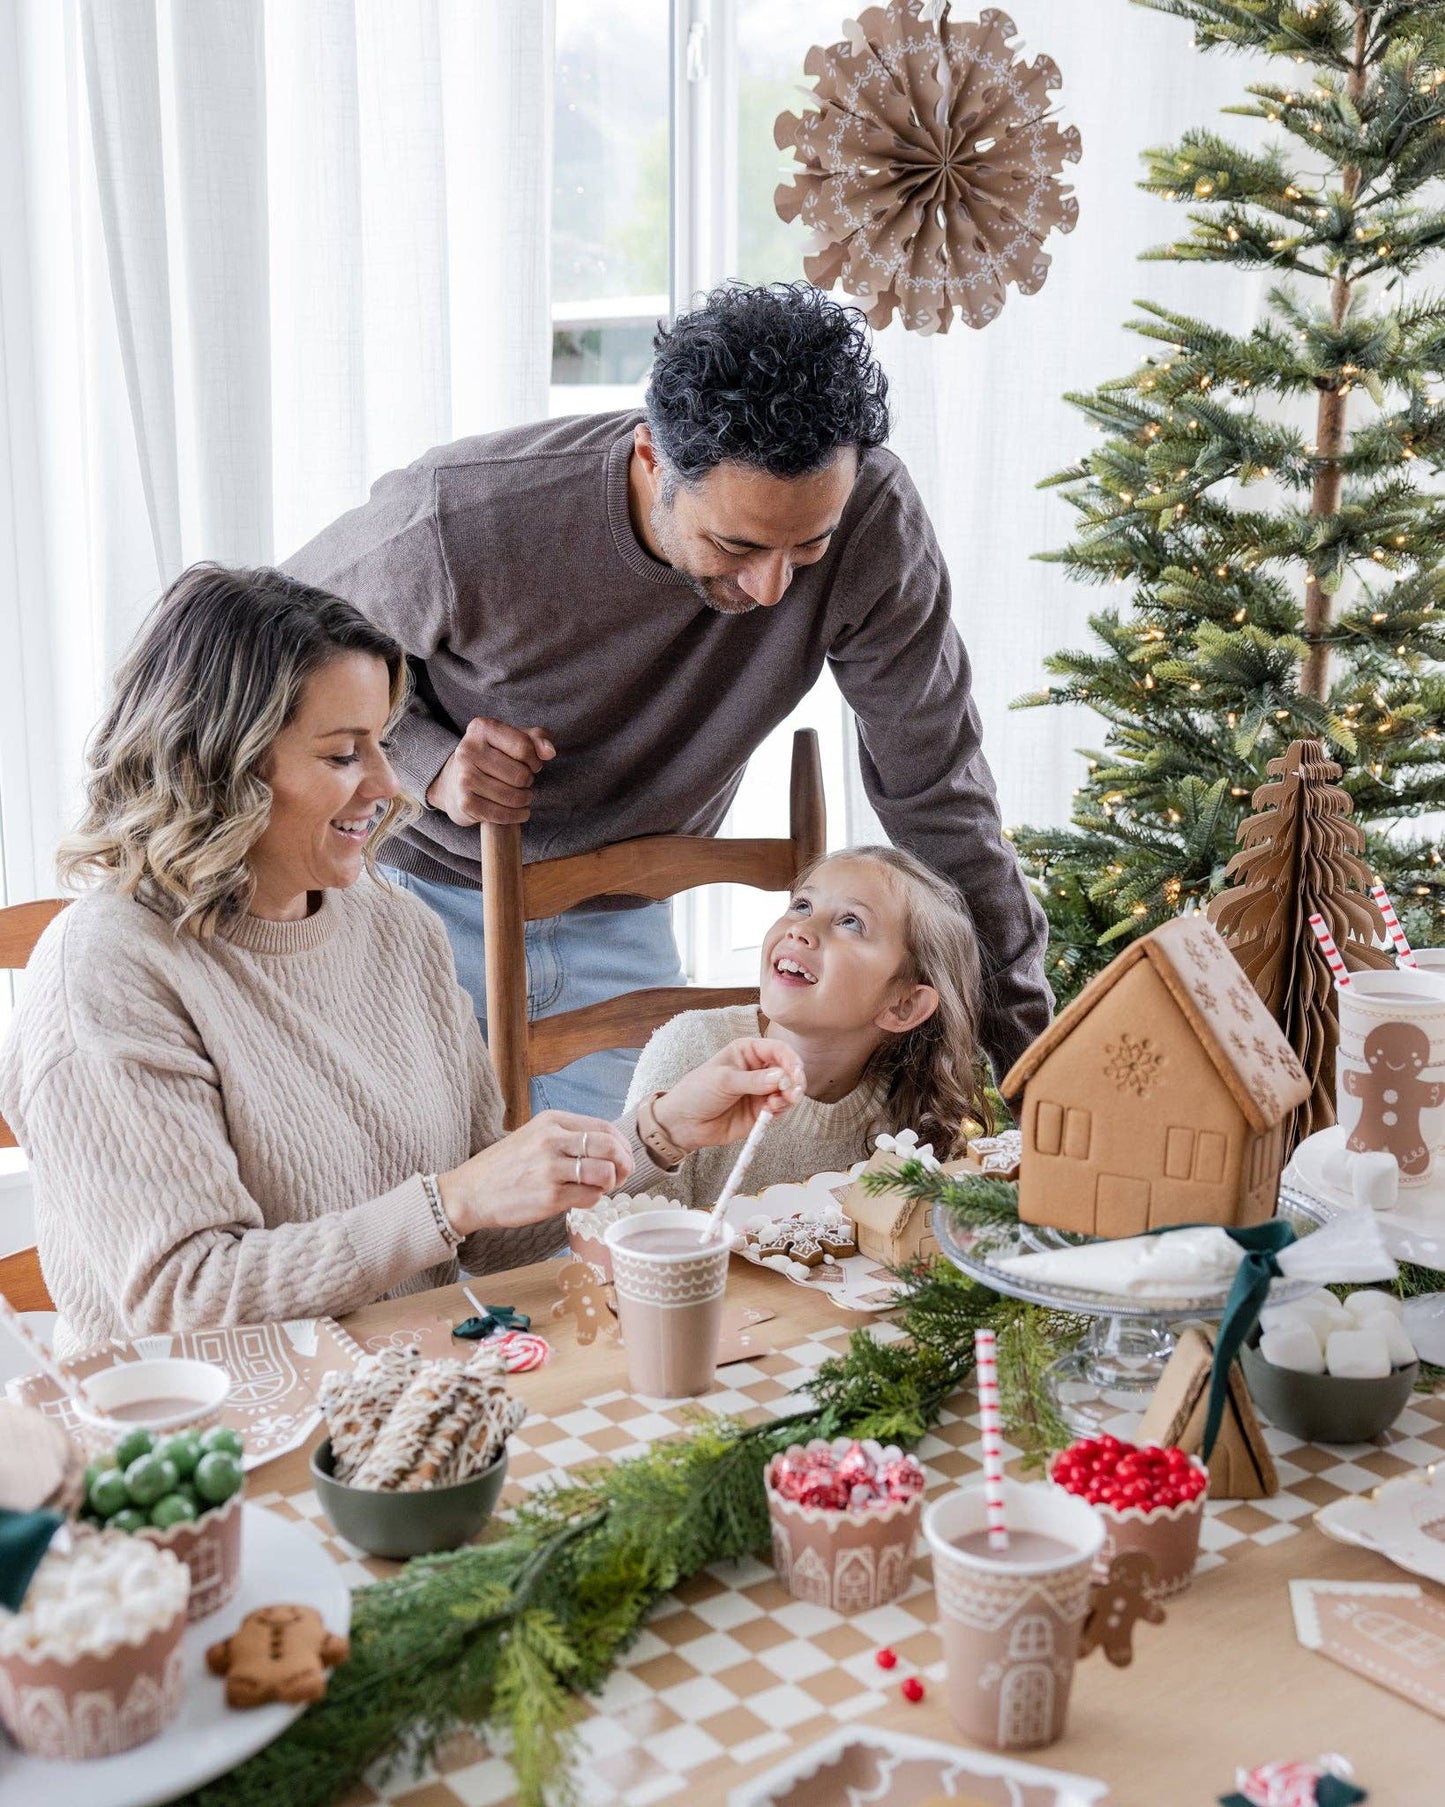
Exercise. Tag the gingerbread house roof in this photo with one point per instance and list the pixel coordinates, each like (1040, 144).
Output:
(1220, 1005)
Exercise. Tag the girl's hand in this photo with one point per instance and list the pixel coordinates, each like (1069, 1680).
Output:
(719, 1102)
(552, 1164)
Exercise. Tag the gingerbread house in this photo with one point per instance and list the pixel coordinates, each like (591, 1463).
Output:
(1158, 1096)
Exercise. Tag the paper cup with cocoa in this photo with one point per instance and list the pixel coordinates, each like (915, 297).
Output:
(670, 1272)
(92, 1663)
(1010, 1622)
(1390, 1068)
(855, 1554)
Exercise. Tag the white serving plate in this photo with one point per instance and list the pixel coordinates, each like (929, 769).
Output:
(1403, 1519)
(1413, 1231)
(206, 1738)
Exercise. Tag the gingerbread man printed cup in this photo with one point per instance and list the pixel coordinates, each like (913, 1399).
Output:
(1390, 1069)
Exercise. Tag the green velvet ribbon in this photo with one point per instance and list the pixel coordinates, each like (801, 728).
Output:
(1262, 1244)
(494, 1320)
(24, 1539)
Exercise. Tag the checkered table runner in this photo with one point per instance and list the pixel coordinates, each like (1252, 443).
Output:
(731, 1668)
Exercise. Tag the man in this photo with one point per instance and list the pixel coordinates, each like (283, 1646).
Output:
(607, 614)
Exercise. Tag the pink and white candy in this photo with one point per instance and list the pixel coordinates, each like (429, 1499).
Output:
(521, 1350)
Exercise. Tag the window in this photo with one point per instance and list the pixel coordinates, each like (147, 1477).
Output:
(665, 169)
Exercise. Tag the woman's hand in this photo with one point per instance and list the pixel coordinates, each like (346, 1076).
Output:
(719, 1102)
(556, 1162)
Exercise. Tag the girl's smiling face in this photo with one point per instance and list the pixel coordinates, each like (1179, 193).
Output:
(837, 958)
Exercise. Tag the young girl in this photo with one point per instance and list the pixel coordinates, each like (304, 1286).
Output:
(871, 976)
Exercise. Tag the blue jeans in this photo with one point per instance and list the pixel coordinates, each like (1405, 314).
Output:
(578, 958)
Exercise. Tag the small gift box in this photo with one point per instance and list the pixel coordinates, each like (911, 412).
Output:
(1150, 1499)
(844, 1522)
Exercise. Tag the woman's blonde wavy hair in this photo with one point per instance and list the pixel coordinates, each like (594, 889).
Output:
(930, 1076)
(176, 785)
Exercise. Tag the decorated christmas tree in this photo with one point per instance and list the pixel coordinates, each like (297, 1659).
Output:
(1267, 496)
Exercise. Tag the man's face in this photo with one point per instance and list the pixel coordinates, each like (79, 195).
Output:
(738, 534)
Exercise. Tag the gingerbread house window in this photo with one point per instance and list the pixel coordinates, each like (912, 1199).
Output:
(1195, 1155)
(1260, 1163)
(1032, 1637)
(1060, 1131)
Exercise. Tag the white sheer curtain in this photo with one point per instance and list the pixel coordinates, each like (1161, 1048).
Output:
(252, 254)
(980, 416)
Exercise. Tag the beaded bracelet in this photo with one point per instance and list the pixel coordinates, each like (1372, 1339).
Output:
(451, 1237)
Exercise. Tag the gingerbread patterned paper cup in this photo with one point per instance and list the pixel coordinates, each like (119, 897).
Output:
(848, 1561)
(1010, 1623)
(1168, 1535)
(1390, 1068)
(210, 1547)
(670, 1289)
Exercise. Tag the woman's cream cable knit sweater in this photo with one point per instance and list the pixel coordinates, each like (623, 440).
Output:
(234, 1130)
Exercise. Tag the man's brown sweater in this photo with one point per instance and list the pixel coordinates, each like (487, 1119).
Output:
(508, 568)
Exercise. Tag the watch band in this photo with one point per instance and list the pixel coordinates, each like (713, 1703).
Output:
(655, 1140)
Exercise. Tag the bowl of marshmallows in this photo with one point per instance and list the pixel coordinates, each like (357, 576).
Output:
(1332, 1370)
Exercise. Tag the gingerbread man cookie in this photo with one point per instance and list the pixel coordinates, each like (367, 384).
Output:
(279, 1653)
(583, 1299)
(1392, 1096)
(1119, 1603)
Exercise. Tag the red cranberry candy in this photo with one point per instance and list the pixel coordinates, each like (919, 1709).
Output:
(855, 1466)
(902, 1479)
(824, 1490)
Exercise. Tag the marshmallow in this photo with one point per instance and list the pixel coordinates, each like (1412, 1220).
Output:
(1358, 1354)
(1375, 1181)
(1397, 1339)
(1370, 1303)
(1325, 1312)
(106, 1590)
(1293, 1346)
(1290, 1317)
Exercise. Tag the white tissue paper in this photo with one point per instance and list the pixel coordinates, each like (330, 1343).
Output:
(1201, 1261)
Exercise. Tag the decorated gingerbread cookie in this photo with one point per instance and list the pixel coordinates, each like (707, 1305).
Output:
(279, 1653)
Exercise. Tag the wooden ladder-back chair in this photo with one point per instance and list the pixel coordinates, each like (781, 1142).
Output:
(21, 926)
(655, 866)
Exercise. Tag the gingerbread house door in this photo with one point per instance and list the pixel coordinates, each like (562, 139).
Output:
(1026, 1707)
(1121, 1205)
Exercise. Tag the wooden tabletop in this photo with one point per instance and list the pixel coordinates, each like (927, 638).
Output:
(1223, 1683)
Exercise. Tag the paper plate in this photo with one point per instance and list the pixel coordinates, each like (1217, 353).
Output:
(1413, 1231)
(207, 1737)
(1403, 1519)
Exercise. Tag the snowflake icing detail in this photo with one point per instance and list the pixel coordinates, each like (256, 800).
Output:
(1133, 1065)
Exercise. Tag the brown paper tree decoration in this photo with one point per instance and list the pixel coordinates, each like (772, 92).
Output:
(1300, 855)
(930, 166)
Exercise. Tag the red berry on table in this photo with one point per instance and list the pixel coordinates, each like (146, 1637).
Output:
(885, 1658)
(912, 1689)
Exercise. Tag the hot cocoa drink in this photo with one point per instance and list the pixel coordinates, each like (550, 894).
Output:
(1010, 1621)
(149, 1411)
(671, 1278)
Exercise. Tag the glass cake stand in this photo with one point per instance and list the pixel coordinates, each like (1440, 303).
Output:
(1107, 1378)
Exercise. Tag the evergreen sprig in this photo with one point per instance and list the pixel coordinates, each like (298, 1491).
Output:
(974, 1198)
(1285, 582)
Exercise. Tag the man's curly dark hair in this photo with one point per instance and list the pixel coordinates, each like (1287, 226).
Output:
(778, 377)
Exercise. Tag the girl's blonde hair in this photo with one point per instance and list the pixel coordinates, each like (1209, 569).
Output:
(176, 789)
(930, 1075)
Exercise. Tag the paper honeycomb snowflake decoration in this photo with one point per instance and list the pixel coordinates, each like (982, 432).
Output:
(930, 166)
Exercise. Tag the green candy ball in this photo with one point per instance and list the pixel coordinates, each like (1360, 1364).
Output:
(184, 1450)
(222, 1437)
(217, 1476)
(127, 1519)
(133, 1445)
(172, 1509)
(108, 1493)
(150, 1477)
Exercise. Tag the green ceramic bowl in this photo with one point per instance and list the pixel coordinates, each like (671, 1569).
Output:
(407, 1524)
(1324, 1408)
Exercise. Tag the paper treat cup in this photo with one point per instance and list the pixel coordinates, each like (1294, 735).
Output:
(847, 1561)
(1169, 1535)
(1010, 1625)
(95, 1706)
(194, 1393)
(210, 1547)
(669, 1305)
(1390, 1068)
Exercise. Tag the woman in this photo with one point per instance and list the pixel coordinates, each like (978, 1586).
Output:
(248, 1082)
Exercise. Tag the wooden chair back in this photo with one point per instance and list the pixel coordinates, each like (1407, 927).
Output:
(21, 926)
(654, 866)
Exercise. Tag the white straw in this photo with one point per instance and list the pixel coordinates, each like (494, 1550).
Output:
(42, 1357)
(735, 1178)
(1404, 953)
(985, 1361)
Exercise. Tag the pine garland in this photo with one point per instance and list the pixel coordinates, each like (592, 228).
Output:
(511, 1631)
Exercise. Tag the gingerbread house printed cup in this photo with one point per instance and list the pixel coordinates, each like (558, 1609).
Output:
(670, 1285)
(1010, 1622)
(848, 1559)
(210, 1547)
(1390, 1068)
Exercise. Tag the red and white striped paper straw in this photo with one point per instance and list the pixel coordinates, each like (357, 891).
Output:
(986, 1363)
(1404, 953)
(1331, 952)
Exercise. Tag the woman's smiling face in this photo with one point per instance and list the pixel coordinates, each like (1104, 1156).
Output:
(329, 775)
(835, 957)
